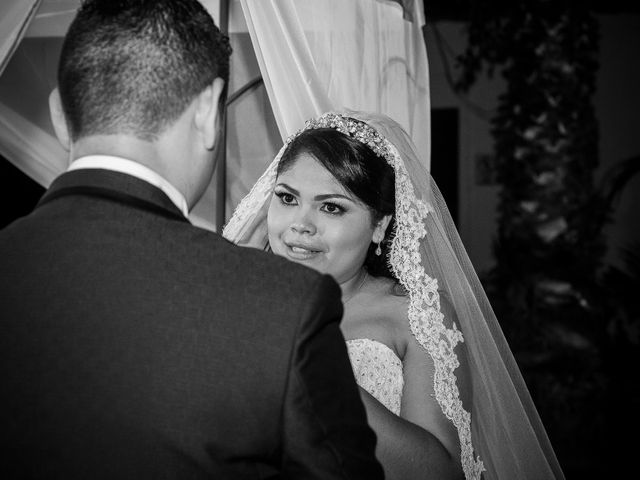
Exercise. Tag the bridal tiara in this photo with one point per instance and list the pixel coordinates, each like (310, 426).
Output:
(353, 128)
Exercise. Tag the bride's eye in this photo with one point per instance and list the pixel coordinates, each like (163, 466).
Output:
(332, 208)
(286, 198)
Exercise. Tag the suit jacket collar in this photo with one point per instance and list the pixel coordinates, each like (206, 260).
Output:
(115, 186)
(131, 167)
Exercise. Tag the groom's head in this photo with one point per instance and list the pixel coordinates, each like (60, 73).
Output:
(133, 66)
(145, 80)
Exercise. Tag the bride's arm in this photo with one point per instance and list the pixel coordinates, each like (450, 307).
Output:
(406, 450)
(419, 404)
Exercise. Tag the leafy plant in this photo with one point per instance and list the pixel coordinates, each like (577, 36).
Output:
(545, 134)
(571, 320)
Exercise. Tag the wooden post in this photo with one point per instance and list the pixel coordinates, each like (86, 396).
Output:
(221, 166)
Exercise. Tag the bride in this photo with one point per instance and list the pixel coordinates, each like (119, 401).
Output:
(348, 196)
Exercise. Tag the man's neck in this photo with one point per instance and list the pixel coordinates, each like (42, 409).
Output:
(148, 154)
(124, 146)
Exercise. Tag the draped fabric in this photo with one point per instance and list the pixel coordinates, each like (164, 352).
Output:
(22, 140)
(312, 54)
(14, 17)
(317, 56)
(31, 35)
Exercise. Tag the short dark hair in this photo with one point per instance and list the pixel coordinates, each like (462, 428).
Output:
(360, 171)
(133, 66)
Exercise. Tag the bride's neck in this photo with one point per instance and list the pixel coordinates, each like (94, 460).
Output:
(353, 285)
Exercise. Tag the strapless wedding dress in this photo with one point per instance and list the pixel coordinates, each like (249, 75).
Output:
(378, 370)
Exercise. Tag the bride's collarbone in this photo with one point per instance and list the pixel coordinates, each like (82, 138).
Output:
(379, 293)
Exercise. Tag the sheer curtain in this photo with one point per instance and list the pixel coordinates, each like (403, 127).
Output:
(24, 138)
(14, 17)
(319, 55)
(31, 35)
(313, 55)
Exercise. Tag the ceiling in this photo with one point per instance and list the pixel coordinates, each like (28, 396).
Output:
(460, 9)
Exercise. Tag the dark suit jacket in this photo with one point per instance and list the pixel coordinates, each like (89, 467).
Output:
(134, 345)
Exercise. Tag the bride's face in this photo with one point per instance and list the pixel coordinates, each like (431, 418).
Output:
(315, 221)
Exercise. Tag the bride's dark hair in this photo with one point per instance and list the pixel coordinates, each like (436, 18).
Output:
(360, 171)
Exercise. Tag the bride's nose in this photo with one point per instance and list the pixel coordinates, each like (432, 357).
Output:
(303, 224)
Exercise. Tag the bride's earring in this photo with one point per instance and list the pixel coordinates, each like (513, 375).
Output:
(379, 250)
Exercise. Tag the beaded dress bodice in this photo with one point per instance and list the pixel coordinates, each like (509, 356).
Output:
(378, 370)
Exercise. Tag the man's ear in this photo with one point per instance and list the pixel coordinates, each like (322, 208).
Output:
(58, 119)
(208, 113)
(380, 228)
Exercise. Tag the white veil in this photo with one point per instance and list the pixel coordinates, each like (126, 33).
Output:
(498, 426)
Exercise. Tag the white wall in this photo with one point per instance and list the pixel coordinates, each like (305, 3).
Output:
(477, 202)
(617, 103)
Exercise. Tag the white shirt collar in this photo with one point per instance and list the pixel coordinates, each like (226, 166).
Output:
(135, 169)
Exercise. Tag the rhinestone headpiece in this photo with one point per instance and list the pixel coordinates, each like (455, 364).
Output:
(353, 128)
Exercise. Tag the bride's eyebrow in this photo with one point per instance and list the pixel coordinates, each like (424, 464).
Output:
(291, 189)
(331, 196)
(318, 198)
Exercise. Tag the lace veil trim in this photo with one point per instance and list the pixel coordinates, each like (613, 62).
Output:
(425, 317)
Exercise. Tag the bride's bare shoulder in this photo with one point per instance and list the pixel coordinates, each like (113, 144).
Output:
(449, 317)
(390, 300)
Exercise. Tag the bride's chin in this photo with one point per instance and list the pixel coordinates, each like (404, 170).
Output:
(312, 263)
(309, 262)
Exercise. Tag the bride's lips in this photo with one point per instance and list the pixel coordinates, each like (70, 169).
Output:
(301, 251)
